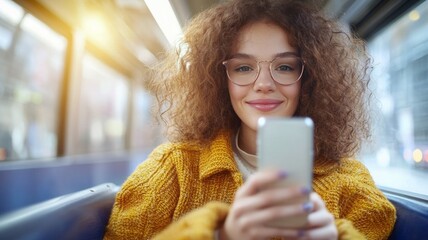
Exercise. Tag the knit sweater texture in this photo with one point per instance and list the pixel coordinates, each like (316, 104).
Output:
(183, 191)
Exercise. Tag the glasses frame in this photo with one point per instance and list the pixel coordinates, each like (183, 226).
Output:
(270, 71)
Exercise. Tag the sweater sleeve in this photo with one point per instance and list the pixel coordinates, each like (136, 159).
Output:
(199, 224)
(364, 208)
(146, 202)
(347, 231)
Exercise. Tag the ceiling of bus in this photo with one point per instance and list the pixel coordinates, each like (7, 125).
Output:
(132, 25)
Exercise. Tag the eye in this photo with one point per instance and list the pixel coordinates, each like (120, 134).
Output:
(243, 68)
(284, 68)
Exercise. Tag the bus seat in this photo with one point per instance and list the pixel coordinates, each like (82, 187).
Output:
(84, 215)
(80, 215)
(412, 216)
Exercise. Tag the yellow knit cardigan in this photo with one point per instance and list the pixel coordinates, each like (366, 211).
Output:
(183, 191)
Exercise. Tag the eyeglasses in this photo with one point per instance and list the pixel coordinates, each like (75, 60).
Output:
(244, 71)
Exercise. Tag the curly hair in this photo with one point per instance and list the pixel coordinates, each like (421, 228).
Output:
(190, 84)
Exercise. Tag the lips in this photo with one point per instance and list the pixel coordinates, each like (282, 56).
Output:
(265, 105)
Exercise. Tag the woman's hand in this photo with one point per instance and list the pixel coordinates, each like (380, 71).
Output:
(321, 223)
(252, 209)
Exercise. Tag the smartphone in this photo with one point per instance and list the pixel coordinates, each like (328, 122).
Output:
(287, 144)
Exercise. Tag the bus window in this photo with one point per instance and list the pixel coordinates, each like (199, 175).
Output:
(31, 72)
(145, 132)
(102, 110)
(398, 155)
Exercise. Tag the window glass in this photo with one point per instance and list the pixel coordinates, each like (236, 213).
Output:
(145, 133)
(102, 108)
(31, 70)
(398, 155)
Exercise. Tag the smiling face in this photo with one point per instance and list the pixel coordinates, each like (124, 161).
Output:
(262, 41)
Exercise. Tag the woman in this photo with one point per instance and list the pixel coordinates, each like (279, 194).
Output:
(240, 61)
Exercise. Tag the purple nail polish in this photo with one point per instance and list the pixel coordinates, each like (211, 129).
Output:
(307, 207)
(305, 190)
(282, 174)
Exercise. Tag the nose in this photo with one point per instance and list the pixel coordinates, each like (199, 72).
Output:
(264, 81)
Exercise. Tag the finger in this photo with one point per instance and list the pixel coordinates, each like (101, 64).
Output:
(279, 195)
(324, 233)
(264, 216)
(258, 181)
(320, 218)
(270, 197)
(317, 201)
(268, 233)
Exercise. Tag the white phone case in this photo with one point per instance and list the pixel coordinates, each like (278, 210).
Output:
(287, 144)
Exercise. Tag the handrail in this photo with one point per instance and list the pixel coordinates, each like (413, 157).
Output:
(405, 194)
(71, 216)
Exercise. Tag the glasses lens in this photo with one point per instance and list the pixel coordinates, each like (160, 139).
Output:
(286, 70)
(241, 71)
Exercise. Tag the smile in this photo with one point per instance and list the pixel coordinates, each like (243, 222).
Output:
(265, 105)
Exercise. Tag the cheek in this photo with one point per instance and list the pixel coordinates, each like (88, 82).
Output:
(292, 93)
(236, 93)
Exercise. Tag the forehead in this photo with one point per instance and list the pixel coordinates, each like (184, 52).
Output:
(262, 39)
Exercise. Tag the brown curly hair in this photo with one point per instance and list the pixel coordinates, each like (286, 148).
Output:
(191, 83)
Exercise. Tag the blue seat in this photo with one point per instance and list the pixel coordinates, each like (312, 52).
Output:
(79, 215)
(85, 214)
(412, 215)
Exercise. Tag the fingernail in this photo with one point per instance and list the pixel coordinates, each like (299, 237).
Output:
(282, 174)
(307, 207)
(305, 190)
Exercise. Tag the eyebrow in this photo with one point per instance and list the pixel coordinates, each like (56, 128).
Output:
(283, 54)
